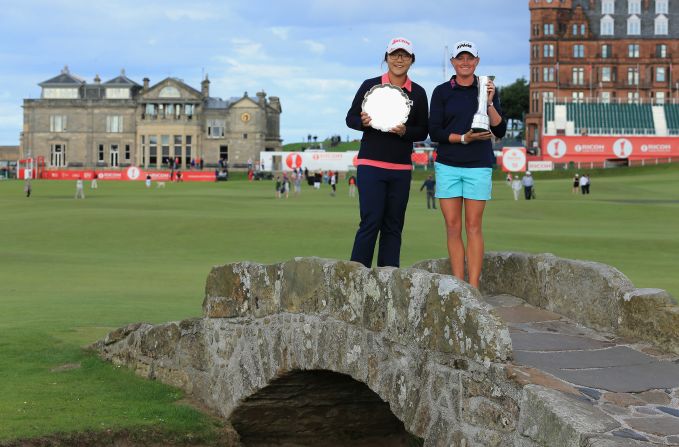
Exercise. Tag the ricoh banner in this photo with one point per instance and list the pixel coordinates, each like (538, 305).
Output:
(564, 149)
(311, 160)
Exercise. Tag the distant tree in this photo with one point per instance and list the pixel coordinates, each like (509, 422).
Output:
(308, 138)
(315, 138)
(515, 99)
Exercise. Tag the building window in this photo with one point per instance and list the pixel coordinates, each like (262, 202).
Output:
(535, 101)
(661, 50)
(660, 74)
(536, 29)
(58, 123)
(607, 26)
(58, 155)
(661, 26)
(165, 146)
(608, 7)
(633, 50)
(661, 7)
(187, 146)
(548, 50)
(633, 97)
(606, 97)
(534, 75)
(660, 97)
(128, 152)
(224, 153)
(634, 7)
(114, 124)
(245, 136)
(575, 29)
(548, 29)
(114, 156)
(215, 128)
(100, 153)
(178, 146)
(536, 51)
(578, 96)
(153, 149)
(578, 51)
(582, 29)
(633, 26)
(605, 74)
(178, 111)
(548, 74)
(143, 150)
(632, 76)
(150, 110)
(578, 76)
(188, 111)
(605, 51)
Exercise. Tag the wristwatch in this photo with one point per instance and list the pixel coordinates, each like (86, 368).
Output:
(462, 139)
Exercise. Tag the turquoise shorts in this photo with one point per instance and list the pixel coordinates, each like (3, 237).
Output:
(469, 183)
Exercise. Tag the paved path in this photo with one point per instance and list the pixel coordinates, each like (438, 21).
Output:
(636, 386)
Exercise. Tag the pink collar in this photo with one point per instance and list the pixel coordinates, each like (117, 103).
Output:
(408, 84)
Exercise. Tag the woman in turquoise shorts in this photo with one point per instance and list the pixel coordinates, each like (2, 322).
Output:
(464, 159)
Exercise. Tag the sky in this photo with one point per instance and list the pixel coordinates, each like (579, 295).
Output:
(312, 54)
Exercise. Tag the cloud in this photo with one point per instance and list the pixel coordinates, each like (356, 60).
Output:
(247, 48)
(177, 14)
(315, 47)
(281, 32)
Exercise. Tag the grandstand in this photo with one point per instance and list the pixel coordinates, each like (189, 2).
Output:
(594, 117)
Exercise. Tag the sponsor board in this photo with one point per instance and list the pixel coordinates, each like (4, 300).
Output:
(129, 174)
(514, 159)
(563, 149)
(540, 166)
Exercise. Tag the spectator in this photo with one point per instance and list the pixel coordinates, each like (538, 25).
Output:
(584, 183)
(528, 185)
(516, 186)
(576, 183)
(430, 184)
(352, 186)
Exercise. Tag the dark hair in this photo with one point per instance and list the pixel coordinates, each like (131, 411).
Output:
(387, 55)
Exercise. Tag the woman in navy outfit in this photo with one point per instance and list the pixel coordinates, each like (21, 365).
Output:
(384, 164)
(464, 158)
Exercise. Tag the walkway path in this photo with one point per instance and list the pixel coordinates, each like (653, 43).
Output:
(631, 383)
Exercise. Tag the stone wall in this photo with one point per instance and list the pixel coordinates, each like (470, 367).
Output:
(423, 342)
(590, 293)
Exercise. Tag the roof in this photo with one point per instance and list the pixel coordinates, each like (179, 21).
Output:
(121, 81)
(63, 79)
(219, 103)
(621, 15)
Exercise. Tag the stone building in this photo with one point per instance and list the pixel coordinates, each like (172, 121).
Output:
(601, 50)
(120, 123)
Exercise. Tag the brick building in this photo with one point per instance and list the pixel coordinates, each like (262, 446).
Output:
(603, 51)
(120, 123)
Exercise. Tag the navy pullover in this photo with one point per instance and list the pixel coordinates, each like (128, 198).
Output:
(388, 147)
(452, 110)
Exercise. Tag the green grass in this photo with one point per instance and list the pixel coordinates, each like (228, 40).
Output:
(342, 147)
(70, 270)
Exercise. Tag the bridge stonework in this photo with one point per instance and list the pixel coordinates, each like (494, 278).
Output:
(424, 342)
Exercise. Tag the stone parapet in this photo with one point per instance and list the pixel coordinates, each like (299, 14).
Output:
(593, 294)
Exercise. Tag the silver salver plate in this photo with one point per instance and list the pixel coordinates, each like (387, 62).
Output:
(387, 105)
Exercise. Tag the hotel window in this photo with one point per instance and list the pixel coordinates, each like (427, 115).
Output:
(578, 96)
(215, 128)
(114, 124)
(582, 29)
(633, 97)
(128, 152)
(548, 29)
(608, 7)
(660, 97)
(578, 51)
(548, 50)
(633, 26)
(605, 74)
(578, 76)
(632, 76)
(536, 51)
(606, 97)
(633, 50)
(58, 123)
(607, 26)
(661, 50)
(548, 74)
(534, 102)
(661, 7)
(634, 7)
(605, 51)
(660, 74)
(536, 29)
(661, 26)
(100, 153)
(534, 75)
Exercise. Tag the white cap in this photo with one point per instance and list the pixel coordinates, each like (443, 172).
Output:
(465, 45)
(400, 43)
(527, 172)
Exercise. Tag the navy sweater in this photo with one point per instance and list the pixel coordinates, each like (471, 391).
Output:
(452, 111)
(387, 146)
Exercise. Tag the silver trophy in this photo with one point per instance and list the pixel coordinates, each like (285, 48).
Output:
(481, 122)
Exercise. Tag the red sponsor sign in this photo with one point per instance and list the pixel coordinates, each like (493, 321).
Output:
(514, 159)
(420, 158)
(293, 160)
(563, 149)
(129, 174)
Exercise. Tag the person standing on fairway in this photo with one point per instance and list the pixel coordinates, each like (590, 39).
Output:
(384, 166)
(79, 193)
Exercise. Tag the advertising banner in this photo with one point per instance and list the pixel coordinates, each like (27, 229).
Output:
(514, 159)
(540, 166)
(129, 174)
(564, 149)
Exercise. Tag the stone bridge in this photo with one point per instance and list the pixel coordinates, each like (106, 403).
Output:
(322, 352)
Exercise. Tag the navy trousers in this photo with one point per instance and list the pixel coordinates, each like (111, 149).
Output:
(383, 197)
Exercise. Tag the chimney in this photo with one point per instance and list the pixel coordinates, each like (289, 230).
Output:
(205, 87)
(275, 103)
(97, 79)
(146, 84)
(261, 98)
